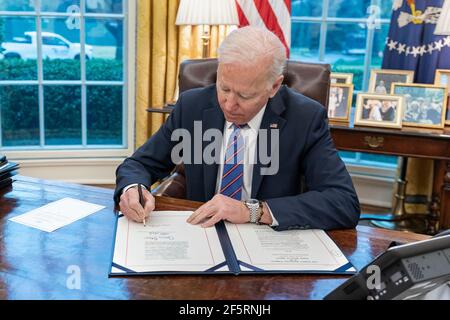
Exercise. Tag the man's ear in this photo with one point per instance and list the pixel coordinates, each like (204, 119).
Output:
(276, 85)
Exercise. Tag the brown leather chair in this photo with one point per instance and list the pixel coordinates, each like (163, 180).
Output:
(310, 79)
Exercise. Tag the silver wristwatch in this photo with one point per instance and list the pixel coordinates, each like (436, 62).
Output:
(255, 207)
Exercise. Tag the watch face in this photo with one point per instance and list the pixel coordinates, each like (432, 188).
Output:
(252, 201)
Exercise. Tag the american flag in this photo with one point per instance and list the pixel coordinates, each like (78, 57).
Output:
(274, 15)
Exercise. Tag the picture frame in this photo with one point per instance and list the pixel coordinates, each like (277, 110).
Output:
(425, 104)
(341, 77)
(379, 110)
(381, 80)
(340, 102)
(442, 78)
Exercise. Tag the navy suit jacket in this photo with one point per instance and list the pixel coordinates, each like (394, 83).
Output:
(308, 161)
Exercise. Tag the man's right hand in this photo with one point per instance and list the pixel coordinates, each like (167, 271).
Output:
(130, 206)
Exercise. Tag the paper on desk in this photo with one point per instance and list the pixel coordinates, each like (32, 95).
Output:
(57, 214)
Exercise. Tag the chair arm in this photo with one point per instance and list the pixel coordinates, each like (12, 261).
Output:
(174, 185)
(166, 109)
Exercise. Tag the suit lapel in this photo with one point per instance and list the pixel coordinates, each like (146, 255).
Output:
(212, 118)
(270, 121)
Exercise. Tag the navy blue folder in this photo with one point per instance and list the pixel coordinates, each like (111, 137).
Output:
(234, 264)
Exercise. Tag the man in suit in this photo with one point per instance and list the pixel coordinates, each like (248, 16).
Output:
(248, 99)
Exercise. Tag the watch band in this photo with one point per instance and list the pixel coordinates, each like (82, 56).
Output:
(255, 210)
(258, 220)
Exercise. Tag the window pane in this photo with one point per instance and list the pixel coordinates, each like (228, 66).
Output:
(345, 49)
(16, 5)
(379, 42)
(385, 8)
(104, 115)
(60, 50)
(390, 160)
(19, 114)
(69, 6)
(106, 6)
(305, 41)
(347, 155)
(105, 38)
(306, 8)
(62, 109)
(348, 8)
(18, 50)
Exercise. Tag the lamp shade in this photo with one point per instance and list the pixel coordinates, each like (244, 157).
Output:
(443, 24)
(207, 12)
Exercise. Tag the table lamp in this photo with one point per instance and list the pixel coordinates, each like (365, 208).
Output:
(207, 12)
(443, 24)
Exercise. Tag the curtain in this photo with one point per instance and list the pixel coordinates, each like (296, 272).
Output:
(161, 47)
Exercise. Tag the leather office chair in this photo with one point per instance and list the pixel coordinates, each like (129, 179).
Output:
(310, 79)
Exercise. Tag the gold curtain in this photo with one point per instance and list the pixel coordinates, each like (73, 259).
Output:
(161, 46)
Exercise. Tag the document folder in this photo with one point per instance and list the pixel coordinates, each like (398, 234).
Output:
(7, 171)
(169, 245)
(6, 167)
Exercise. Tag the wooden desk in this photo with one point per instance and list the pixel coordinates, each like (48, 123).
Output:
(408, 142)
(34, 264)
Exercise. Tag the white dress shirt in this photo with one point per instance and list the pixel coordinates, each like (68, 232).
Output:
(250, 135)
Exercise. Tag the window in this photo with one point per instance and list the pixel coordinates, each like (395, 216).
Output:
(64, 75)
(52, 41)
(348, 34)
(25, 39)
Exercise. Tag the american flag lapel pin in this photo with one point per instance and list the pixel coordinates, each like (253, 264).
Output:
(273, 125)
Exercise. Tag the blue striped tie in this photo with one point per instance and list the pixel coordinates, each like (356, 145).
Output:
(233, 167)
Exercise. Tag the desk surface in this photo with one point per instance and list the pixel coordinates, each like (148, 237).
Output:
(35, 264)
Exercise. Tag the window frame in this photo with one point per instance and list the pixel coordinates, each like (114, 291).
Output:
(324, 20)
(84, 150)
(384, 169)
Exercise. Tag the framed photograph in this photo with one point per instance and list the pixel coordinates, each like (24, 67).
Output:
(442, 78)
(379, 110)
(337, 77)
(425, 105)
(381, 80)
(340, 102)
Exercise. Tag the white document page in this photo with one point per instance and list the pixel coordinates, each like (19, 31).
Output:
(290, 250)
(166, 243)
(57, 214)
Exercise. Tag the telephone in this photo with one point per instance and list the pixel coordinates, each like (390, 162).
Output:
(402, 272)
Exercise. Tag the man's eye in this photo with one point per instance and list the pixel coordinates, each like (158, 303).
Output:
(225, 90)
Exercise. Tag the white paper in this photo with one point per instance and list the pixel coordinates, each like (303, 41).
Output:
(57, 214)
(264, 248)
(169, 244)
(166, 243)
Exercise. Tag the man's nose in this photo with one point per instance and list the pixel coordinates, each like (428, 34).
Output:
(231, 102)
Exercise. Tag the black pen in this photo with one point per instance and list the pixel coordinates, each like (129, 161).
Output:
(141, 200)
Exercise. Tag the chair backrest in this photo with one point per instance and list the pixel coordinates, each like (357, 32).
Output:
(310, 79)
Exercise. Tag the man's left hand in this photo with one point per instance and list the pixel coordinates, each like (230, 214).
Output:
(220, 207)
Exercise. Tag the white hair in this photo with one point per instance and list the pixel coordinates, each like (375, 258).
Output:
(248, 45)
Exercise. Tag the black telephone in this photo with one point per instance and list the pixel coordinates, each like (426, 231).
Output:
(405, 272)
